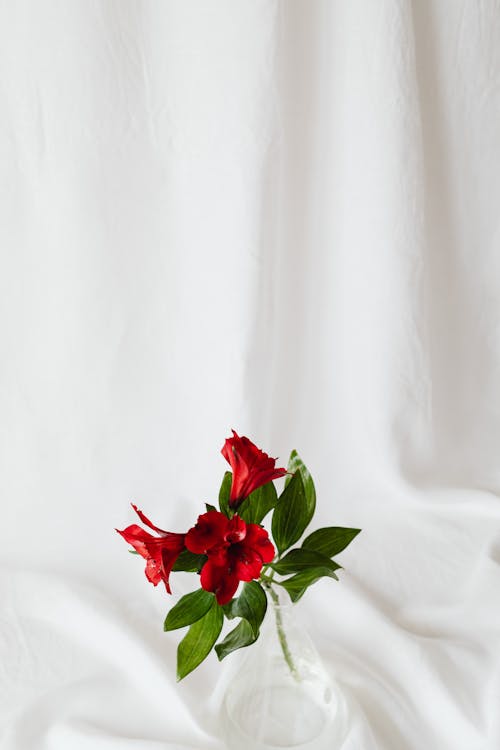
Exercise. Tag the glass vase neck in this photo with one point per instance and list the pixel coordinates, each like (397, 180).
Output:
(277, 598)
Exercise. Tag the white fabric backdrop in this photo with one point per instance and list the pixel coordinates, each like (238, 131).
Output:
(281, 217)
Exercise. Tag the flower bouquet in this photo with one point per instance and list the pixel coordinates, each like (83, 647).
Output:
(229, 546)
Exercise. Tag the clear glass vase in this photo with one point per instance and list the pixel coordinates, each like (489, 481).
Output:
(281, 695)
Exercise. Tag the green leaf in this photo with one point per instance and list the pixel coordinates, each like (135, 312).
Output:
(189, 562)
(228, 609)
(299, 583)
(258, 504)
(199, 640)
(210, 507)
(133, 552)
(251, 606)
(330, 540)
(292, 514)
(242, 635)
(224, 493)
(301, 559)
(189, 609)
(295, 464)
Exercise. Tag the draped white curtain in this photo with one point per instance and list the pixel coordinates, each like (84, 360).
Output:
(280, 216)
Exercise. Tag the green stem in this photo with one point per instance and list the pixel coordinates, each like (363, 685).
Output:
(281, 631)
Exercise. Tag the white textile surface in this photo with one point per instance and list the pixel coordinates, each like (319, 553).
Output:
(277, 216)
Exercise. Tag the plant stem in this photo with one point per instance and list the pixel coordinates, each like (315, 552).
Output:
(281, 631)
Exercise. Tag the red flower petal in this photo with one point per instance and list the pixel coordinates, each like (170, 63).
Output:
(236, 530)
(146, 520)
(251, 467)
(153, 571)
(209, 530)
(218, 554)
(138, 538)
(245, 561)
(258, 539)
(160, 552)
(168, 557)
(220, 581)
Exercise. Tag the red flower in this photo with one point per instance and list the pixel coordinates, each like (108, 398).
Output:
(251, 468)
(236, 552)
(160, 552)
